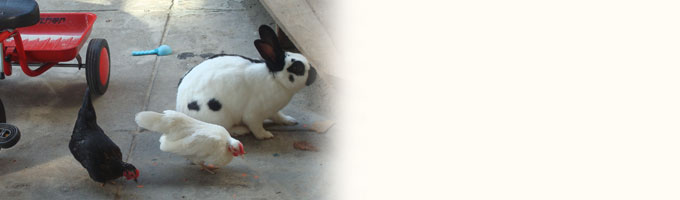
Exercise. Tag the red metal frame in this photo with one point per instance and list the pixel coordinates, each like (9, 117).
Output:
(76, 27)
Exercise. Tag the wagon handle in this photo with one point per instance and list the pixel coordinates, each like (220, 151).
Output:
(22, 58)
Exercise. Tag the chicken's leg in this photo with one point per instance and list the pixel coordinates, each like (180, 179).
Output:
(208, 168)
(112, 183)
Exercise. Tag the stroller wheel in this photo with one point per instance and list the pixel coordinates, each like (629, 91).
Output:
(9, 135)
(97, 66)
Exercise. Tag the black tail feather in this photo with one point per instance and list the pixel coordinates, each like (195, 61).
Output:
(87, 114)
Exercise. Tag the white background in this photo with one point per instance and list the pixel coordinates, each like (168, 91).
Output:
(510, 100)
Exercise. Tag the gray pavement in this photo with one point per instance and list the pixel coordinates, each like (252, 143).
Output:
(40, 166)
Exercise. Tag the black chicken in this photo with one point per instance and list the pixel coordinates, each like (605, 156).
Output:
(95, 151)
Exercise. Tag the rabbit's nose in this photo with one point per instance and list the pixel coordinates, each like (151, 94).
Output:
(311, 77)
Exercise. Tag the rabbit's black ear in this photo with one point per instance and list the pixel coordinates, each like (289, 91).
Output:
(268, 35)
(272, 58)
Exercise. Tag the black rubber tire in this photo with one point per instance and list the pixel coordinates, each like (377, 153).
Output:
(3, 117)
(9, 135)
(92, 66)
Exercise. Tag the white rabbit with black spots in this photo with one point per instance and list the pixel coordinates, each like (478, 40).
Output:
(239, 93)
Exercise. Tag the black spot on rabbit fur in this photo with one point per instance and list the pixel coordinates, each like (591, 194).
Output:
(290, 78)
(214, 105)
(297, 68)
(193, 106)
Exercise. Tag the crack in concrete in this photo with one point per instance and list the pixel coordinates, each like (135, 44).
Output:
(147, 96)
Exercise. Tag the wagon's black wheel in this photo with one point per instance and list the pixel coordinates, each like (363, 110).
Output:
(3, 117)
(97, 66)
(9, 135)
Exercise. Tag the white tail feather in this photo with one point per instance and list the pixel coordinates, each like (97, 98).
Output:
(172, 124)
(150, 120)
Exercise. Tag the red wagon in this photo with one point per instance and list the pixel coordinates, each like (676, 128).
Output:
(44, 40)
(38, 41)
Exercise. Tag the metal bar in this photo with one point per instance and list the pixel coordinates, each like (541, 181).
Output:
(2, 57)
(57, 65)
(3, 118)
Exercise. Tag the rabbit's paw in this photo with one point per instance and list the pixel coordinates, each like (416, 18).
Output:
(263, 135)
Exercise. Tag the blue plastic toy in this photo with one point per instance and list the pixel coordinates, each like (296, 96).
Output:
(161, 51)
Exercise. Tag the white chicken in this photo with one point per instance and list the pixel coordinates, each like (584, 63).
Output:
(205, 144)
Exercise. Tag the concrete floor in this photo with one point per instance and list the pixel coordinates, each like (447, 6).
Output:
(40, 166)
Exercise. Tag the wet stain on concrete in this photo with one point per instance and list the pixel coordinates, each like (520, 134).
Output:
(207, 55)
(185, 55)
